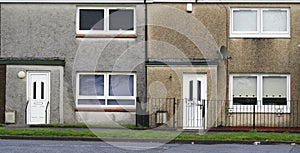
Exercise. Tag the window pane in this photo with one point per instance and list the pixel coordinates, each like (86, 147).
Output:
(120, 102)
(244, 87)
(121, 85)
(274, 90)
(42, 90)
(91, 19)
(121, 19)
(244, 90)
(91, 85)
(274, 20)
(191, 90)
(199, 91)
(91, 102)
(245, 20)
(34, 90)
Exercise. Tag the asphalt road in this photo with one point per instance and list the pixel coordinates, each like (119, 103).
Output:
(42, 146)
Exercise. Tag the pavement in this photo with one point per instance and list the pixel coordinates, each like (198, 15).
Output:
(152, 140)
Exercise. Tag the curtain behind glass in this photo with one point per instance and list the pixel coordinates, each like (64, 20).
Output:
(244, 87)
(121, 19)
(274, 87)
(274, 20)
(245, 20)
(121, 85)
(91, 85)
(91, 19)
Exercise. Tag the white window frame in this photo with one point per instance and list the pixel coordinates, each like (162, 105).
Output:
(106, 21)
(106, 96)
(260, 33)
(260, 107)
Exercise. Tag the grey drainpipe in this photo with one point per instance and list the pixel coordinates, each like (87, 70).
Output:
(0, 29)
(142, 117)
(146, 56)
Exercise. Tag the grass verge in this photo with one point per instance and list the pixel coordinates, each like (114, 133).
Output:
(47, 132)
(128, 126)
(251, 135)
(90, 133)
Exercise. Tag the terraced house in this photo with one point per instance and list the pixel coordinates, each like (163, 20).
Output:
(72, 61)
(232, 63)
(186, 64)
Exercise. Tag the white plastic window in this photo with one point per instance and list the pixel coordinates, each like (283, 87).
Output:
(260, 22)
(96, 20)
(106, 89)
(267, 92)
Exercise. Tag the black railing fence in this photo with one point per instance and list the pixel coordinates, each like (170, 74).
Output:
(162, 112)
(185, 113)
(260, 115)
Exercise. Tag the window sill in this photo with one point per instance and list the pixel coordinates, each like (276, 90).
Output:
(233, 36)
(249, 109)
(105, 35)
(110, 109)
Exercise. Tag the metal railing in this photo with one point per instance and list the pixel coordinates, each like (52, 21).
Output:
(26, 111)
(46, 113)
(194, 113)
(259, 115)
(162, 112)
(170, 112)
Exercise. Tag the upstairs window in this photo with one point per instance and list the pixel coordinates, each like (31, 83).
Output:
(106, 21)
(121, 19)
(260, 22)
(91, 19)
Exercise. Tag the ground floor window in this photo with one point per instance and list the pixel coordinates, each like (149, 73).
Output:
(106, 89)
(267, 92)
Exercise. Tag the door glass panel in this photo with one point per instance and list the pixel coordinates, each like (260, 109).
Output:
(42, 90)
(191, 90)
(34, 90)
(199, 90)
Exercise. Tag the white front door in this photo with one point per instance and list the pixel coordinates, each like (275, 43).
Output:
(194, 101)
(38, 98)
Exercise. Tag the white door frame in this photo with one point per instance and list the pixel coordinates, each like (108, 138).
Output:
(185, 89)
(46, 102)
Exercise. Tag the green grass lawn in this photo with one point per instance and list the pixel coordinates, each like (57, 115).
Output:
(251, 135)
(46, 132)
(58, 125)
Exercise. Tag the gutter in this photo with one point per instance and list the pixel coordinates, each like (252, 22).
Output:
(150, 140)
(147, 1)
(76, 1)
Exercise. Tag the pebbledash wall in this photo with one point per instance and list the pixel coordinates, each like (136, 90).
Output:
(42, 31)
(185, 43)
